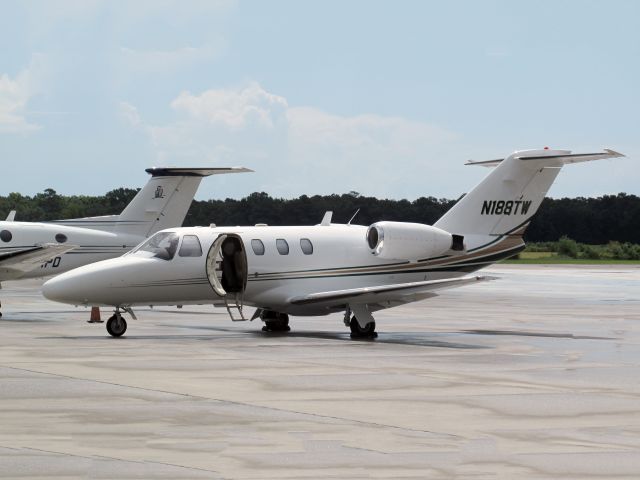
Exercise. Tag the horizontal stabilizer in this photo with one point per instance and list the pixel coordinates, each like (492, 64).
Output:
(562, 158)
(384, 292)
(193, 172)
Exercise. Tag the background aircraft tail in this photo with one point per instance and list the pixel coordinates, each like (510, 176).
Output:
(162, 203)
(504, 202)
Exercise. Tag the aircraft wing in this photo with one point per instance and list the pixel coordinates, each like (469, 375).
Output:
(30, 258)
(385, 293)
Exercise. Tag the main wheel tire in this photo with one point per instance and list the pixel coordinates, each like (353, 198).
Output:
(276, 322)
(369, 331)
(116, 326)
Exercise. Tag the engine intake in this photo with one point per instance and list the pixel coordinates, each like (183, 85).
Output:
(411, 241)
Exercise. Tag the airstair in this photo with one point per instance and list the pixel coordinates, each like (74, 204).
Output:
(235, 304)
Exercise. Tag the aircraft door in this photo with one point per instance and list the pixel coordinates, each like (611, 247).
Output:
(227, 265)
(213, 266)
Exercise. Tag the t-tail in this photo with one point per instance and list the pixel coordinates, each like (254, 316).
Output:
(162, 203)
(498, 210)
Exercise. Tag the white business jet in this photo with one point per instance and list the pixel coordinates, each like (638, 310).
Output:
(29, 249)
(316, 270)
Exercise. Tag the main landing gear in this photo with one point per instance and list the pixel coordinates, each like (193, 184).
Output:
(116, 325)
(363, 327)
(362, 333)
(357, 317)
(275, 322)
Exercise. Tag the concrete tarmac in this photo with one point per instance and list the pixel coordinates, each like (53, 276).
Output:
(535, 375)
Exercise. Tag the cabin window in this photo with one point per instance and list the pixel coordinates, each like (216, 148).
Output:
(61, 238)
(162, 245)
(257, 246)
(6, 236)
(282, 246)
(190, 246)
(306, 246)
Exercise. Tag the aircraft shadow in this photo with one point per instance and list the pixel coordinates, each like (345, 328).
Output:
(398, 338)
(524, 333)
(133, 336)
(27, 317)
(25, 320)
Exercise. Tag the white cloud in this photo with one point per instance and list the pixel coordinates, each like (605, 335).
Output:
(14, 95)
(235, 109)
(295, 149)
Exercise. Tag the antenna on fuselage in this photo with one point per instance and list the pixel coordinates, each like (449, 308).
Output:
(326, 220)
(353, 216)
(11, 217)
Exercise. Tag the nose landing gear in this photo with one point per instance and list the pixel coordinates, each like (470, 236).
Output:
(116, 325)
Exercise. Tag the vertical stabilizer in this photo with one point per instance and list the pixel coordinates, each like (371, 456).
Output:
(512, 193)
(164, 201)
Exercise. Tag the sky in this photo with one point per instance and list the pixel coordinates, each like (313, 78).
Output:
(386, 98)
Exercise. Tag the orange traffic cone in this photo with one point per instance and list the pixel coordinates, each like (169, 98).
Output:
(95, 315)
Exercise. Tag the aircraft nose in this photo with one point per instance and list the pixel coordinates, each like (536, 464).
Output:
(70, 287)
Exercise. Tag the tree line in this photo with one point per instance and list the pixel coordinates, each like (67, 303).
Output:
(586, 220)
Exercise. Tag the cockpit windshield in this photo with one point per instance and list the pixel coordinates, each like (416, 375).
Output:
(162, 245)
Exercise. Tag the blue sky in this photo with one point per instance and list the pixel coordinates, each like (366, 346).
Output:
(385, 98)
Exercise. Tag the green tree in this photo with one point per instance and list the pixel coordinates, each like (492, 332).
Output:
(568, 247)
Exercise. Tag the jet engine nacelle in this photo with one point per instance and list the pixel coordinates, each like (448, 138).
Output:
(411, 241)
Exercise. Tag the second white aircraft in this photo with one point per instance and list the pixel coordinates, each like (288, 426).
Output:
(317, 270)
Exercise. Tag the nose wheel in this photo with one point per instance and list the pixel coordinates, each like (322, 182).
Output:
(116, 325)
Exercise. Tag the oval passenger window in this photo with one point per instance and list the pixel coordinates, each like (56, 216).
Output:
(61, 238)
(257, 246)
(306, 246)
(5, 236)
(282, 246)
